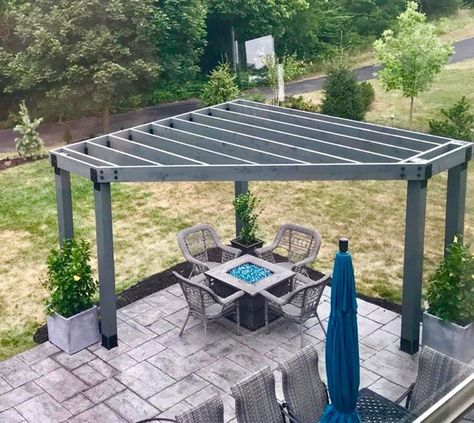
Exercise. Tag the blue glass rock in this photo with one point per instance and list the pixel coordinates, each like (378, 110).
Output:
(249, 273)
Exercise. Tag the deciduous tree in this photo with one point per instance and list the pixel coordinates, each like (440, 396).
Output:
(412, 55)
(84, 55)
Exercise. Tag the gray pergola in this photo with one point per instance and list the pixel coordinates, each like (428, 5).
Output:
(245, 141)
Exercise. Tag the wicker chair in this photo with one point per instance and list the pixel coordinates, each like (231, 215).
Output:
(202, 247)
(437, 375)
(298, 245)
(210, 411)
(305, 393)
(205, 305)
(298, 305)
(255, 399)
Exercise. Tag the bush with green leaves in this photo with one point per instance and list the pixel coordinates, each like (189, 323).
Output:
(299, 103)
(450, 293)
(29, 144)
(341, 91)
(247, 211)
(458, 122)
(220, 87)
(70, 284)
(293, 67)
(367, 95)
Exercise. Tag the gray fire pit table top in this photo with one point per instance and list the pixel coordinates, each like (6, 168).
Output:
(278, 274)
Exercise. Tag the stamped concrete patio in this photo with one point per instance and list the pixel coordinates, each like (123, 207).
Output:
(153, 372)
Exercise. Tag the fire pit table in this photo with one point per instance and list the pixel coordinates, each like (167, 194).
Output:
(251, 275)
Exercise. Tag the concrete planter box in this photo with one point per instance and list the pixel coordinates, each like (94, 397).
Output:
(448, 338)
(76, 332)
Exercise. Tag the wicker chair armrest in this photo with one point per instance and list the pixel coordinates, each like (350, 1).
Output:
(199, 278)
(307, 281)
(281, 301)
(265, 250)
(407, 395)
(157, 419)
(304, 262)
(199, 263)
(230, 250)
(231, 298)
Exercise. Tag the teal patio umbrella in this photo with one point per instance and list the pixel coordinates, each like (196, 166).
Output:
(342, 343)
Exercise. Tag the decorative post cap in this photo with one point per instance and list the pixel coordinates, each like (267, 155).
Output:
(343, 245)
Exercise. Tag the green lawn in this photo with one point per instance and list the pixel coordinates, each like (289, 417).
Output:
(147, 218)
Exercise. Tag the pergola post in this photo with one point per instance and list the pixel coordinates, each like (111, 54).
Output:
(241, 187)
(413, 265)
(455, 203)
(105, 258)
(62, 181)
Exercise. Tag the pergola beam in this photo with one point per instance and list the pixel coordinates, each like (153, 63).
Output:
(106, 267)
(116, 156)
(64, 204)
(413, 266)
(276, 172)
(149, 153)
(180, 131)
(354, 125)
(295, 151)
(240, 187)
(200, 154)
(306, 127)
(455, 204)
(283, 134)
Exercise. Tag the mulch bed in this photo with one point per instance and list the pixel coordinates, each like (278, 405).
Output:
(8, 162)
(165, 279)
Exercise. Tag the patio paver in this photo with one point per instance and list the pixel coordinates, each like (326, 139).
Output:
(156, 372)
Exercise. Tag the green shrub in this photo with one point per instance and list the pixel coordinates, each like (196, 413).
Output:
(69, 283)
(450, 293)
(299, 103)
(221, 86)
(459, 122)
(367, 95)
(293, 67)
(246, 208)
(29, 144)
(341, 91)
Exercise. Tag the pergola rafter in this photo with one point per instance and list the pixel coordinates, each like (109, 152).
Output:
(243, 141)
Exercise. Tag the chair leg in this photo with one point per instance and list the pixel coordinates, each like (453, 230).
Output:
(204, 322)
(267, 330)
(301, 334)
(237, 318)
(185, 323)
(321, 323)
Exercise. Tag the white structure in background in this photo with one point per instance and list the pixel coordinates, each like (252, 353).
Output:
(257, 49)
(281, 82)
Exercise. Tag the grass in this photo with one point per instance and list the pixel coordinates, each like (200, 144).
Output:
(148, 216)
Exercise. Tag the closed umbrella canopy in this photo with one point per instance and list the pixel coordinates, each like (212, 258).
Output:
(342, 343)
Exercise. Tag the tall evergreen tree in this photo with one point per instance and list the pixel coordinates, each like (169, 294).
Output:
(341, 91)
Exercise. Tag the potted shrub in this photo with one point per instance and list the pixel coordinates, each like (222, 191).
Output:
(246, 208)
(448, 323)
(72, 317)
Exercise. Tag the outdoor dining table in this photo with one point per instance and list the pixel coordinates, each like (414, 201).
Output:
(374, 408)
(226, 281)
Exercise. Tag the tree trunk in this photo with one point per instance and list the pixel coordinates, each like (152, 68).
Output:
(412, 104)
(105, 116)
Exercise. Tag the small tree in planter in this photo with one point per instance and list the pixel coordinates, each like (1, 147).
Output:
(448, 323)
(72, 320)
(247, 211)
